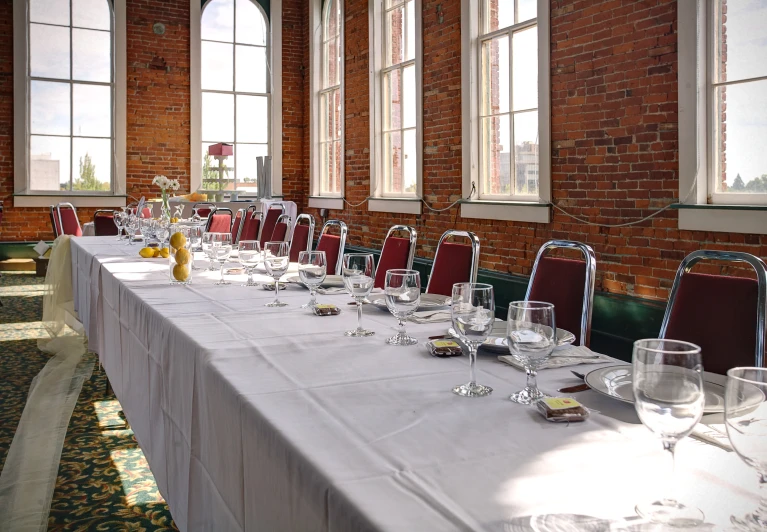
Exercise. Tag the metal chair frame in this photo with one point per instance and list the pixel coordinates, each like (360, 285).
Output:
(241, 214)
(473, 239)
(588, 290)
(263, 217)
(100, 211)
(735, 256)
(310, 240)
(344, 231)
(251, 211)
(212, 207)
(58, 215)
(220, 210)
(412, 235)
(285, 218)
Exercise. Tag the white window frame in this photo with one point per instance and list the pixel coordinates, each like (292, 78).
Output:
(23, 195)
(379, 201)
(274, 45)
(515, 209)
(316, 198)
(697, 210)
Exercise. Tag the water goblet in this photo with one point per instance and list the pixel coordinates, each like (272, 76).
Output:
(117, 218)
(312, 269)
(532, 335)
(276, 261)
(249, 255)
(195, 241)
(132, 226)
(221, 250)
(359, 274)
(668, 397)
(473, 313)
(208, 242)
(146, 226)
(162, 233)
(403, 295)
(745, 416)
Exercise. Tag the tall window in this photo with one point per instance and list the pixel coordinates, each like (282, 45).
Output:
(235, 89)
(70, 88)
(330, 104)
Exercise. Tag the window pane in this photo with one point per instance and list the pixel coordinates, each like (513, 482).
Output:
(49, 108)
(217, 117)
(496, 155)
(335, 184)
(410, 31)
(326, 160)
(210, 166)
(326, 117)
(246, 163)
(91, 105)
(48, 163)
(495, 76)
(48, 51)
(49, 11)
(250, 72)
(91, 164)
(216, 65)
(409, 163)
(337, 120)
(252, 119)
(91, 55)
(742, 130)
(330, 69)
(741, 34)
(526, 152)
(393, 162)
(330, 19)
(525, 75)
(392, 118)
(394, 35)
(218, 21)
(251, 23)
(526, 9)
(409, 97)
(93, 14)
(498, 14)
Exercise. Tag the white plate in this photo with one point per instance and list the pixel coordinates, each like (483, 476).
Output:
(331, 281)
(497, 342)
(428, 302)
(615, 382)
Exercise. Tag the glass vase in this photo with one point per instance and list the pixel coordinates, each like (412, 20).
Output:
(180, 255)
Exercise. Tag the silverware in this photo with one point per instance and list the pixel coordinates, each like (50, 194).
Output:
(574, 389)
(579, 375)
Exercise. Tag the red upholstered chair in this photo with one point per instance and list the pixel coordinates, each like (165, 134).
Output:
(203, 209)
(303, 234)
(220, 221)
(723, 315)
(104, 223)
(333, 245)
(273, 213)
(454, 263)
(236, 223)
(281, 231)
(146, 212)
(397, 253)
(64, 216)
(251, 222)
(568, 284)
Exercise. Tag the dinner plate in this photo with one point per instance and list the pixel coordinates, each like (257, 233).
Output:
(331, 281)
(428, 302)
(497, 342)
(615, 382)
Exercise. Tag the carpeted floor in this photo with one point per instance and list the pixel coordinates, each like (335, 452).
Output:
(104, 482)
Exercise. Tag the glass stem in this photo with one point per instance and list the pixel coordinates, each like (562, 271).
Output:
(532, 383)
(250, 276)
(670, 446)
(401, 328)
(312, 297)
(222, 272)
(276, 289)
(472, 364)
(359, 314)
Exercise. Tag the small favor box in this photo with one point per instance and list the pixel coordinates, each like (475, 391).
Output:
(180, 256)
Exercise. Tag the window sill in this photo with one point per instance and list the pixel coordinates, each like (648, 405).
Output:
(515, 211)
(396, 205)
(46, 200)
(323, 202)
(748, 219)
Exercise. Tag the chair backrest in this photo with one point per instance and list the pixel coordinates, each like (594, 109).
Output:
(568, 284)
(146, 212)
(303, 234)
(251, 222)
(65, 220)
(723, 315)
(273, 213)
(236, 223)
(220, 221)
(454, 263)
(333, 245)
(104, 223)
(396, 253)
(204, 209)
(281, 231)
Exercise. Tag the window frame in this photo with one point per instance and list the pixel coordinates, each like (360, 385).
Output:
(24, 195)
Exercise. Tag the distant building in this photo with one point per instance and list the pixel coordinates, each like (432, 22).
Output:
(44, 172)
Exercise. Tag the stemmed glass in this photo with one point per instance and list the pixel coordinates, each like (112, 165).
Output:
(117, 218)
(473, 314)
(221, 250)
(403, 295)
(249, 255)
(745, 415)
(147, 226)
(532, 335)
(668, 394)
(276, 261)
(162, 233)
(359, 272)
(195, 237)
(131, 226)
(208, 242)
(312, 269)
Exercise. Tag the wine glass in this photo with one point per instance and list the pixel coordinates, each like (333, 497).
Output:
(359, 272)
(745, 415)
(131, 226)
(473, 314)
(276, 261)
(195, 237)
(532, 335)
(220, 251)
(117, 218)
(668, 396)
(249, 255)
(312, 269)
(147, 229)
(208, 242)
(403, 295)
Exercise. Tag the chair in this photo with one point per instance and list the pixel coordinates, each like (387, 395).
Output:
(204, 209)
(281, 229)
(220, 221)
(64, 220)
(273, 213)
(303, 234)
(396, 253)
(236, 226)
(251, 222)
(716, 312)
(104, 223)
(146, 212)
(454, 263)
(333, 245)
(568, 284)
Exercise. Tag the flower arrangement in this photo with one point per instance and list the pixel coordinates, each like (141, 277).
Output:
(165, 185)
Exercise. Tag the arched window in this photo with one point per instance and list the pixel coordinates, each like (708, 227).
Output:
(331, 106)
(234, 79)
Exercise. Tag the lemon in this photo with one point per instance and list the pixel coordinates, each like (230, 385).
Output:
(182, 256)
(164, 252)
(147, 253)
(177, 240)
(174, 220)
(180, 272)
(156, 252)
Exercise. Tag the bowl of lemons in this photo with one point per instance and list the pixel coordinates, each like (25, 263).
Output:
(179, 255)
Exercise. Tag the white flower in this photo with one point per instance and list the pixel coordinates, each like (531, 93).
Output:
(173, 184)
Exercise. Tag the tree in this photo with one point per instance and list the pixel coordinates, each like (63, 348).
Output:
(738, 184)
(88, 179)
(757, 185)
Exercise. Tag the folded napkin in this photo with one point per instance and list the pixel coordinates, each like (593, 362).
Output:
(431, 316)
(331, 290)
(563, 357)
(711, 430)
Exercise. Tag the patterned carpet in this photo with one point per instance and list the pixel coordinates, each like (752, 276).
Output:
(104, 482)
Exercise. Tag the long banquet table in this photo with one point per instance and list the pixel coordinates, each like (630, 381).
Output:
(253, 418)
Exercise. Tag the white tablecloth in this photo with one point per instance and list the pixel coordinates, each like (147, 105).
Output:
(270, 419)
